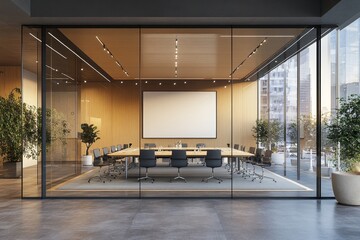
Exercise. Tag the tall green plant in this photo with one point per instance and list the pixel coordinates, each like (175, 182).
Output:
(275, 132)
(18, 128)
(261, 131)
(89, 135)
(345, 129)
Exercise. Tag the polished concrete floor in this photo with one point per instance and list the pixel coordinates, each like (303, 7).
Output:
(173, 218)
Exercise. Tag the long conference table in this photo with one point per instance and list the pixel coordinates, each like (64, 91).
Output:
(165, 152)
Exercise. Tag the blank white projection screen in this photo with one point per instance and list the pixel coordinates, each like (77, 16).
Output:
(179, 114)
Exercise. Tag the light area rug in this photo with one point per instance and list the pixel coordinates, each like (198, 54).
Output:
(193, 174)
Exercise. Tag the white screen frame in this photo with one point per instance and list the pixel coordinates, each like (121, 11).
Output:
(209, 96)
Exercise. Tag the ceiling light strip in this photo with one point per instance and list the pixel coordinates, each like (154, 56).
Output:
(48, 46)
(67, 76)
(176, 57)
(249, 56)
(256, 36)
(79, 56)
(107, 50)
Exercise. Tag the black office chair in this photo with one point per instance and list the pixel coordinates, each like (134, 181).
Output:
(179, 160)
(106, 157)
(126, 146)
(98, 162)
(147, 160)
(200, 145)
(184, 145)
(213, 160)
(113, 149)
(265, 161)
(119, 147)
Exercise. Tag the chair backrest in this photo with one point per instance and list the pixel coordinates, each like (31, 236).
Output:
(252, 150)
(147, 158)
(200, 145)
(243, 148)
(126, 146)
(184, 145)
(213, 158)
(119, 147)
(259, 153)
(152, 145)
(105, 151)
(267, 157)
(113, 149)
(97, 156)
(236, 146)
(178, 158)
(96, 153)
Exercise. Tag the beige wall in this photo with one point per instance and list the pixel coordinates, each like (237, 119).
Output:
(10, 78)
(115, 108)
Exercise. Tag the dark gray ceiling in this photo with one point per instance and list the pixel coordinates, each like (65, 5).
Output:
(14, 13)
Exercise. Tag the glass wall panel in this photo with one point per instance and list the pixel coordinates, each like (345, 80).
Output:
(329, 96)
(31, 95)
(92, 79)
(186, 105)
(192, 89)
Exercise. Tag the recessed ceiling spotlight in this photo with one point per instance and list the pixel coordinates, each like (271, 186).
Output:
(276, 61)
(159, 83)
(37, 61)
(136, 83)
(145, 81)
(57, 83)
(174, 83)
(185, 82)
(229, 81)
(121, 82)
(82, 69)
(85, 81)
(214, 81)
(224, 86)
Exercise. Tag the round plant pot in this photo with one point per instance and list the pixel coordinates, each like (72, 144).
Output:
(346, 187)
(87, 160)
(277, 158)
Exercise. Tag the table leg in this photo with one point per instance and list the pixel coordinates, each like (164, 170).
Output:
(126, 167)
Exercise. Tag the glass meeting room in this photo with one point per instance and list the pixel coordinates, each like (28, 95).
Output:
(171, 112)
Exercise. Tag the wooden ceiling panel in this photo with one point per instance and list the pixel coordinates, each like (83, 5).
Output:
(202, 53)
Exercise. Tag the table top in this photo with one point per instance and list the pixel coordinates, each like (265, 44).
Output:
(190, 152)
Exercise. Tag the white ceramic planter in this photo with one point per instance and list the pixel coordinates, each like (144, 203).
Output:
(277, 158)
(87, 160)
(346, 187)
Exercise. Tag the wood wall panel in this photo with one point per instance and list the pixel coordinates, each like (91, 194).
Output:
(10, 78)
(245, 113)
(118, 107)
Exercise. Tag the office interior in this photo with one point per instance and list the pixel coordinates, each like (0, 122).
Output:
(99, 75)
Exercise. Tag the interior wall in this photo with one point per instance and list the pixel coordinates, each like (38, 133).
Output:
(115, 109)
(30, 96)
(10, 78)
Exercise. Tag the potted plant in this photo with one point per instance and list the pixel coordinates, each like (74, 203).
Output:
(344, 132)
(261, 131)
(275, 132)
(89, 135)
(268, 133)
(18, 132)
